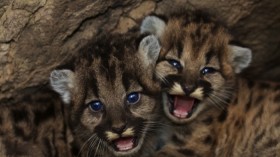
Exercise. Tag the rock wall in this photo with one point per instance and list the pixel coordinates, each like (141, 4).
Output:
(38, 35)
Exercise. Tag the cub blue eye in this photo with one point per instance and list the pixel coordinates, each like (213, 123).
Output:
(133, 98)
(175, 63)
(95, 106)
(207, 70)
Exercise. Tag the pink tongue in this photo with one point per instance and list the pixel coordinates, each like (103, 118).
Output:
(124, 143)
(182, 106)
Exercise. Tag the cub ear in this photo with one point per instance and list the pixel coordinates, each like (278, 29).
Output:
(149, 49)
(240, 57)
(152, 25)
(62, 81)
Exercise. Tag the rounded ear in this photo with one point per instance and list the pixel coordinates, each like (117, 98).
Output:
(240, 57)
(62, 81)
(149, 49)
(152, 25)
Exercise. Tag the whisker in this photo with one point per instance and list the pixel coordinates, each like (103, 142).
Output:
(97, 148)
(83, 146)
(161, 77)
(217, 104)
(219, 99)
(92, 144)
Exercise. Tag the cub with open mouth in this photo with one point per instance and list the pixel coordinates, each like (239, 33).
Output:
(183, 102)
(197, 66)
(213, 110)
(191, 76)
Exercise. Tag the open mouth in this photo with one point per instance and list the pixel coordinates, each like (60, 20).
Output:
(125, 143)
(182, 107)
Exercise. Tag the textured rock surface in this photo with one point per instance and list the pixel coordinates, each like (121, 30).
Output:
(38, 35)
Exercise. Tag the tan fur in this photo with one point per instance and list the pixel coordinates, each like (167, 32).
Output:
(263, 116)
(176, 90)
(238, 118)
(128, 132)
(198, 94)
(111, 136)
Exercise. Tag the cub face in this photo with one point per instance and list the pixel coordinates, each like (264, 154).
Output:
(196, 66)
(114, 100)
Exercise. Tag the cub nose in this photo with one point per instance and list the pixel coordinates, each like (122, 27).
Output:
(188, 89)
(119, 129)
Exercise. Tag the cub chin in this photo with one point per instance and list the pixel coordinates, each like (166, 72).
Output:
(113, 97)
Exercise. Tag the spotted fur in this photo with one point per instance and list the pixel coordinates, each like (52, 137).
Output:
(106, 72)
(230, 115)
(35, 126)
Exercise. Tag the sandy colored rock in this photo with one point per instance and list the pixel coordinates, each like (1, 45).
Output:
(144, 9)
(125, 23)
